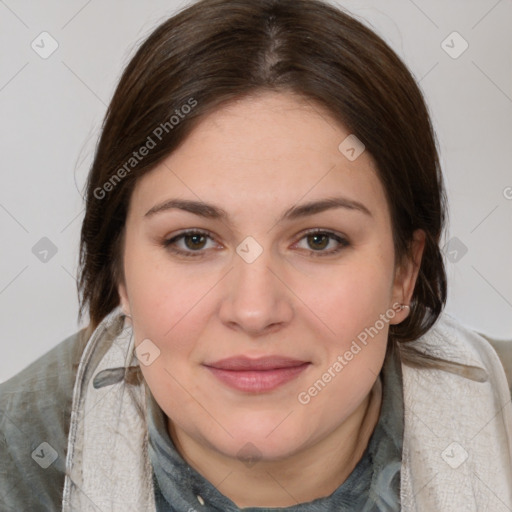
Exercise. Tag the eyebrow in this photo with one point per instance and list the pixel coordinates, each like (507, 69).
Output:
(211, 211)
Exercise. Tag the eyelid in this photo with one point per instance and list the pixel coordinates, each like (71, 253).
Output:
(341, 239)
(168, 242)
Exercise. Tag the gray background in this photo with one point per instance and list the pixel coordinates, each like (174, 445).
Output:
(51, 111)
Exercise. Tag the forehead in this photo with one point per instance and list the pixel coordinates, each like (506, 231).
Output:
(266, 151)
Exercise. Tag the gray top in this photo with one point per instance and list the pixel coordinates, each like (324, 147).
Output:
(373, 485)
(35, 408)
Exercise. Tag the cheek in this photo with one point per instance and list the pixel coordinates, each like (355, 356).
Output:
(354, 348)
(166, 308)
(354, 296)
(355, 310)
(169, 307)
(161, 296)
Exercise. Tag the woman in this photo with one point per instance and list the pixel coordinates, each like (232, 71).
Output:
(261, 266)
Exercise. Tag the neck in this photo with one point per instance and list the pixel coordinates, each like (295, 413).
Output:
(312, 473)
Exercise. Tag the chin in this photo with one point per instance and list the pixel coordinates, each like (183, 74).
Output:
(257, 440)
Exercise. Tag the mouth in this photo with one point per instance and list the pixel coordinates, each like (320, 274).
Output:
(256, 375)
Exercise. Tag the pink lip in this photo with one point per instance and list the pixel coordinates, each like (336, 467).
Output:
(256, 375)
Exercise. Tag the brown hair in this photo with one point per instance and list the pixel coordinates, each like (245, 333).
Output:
(217, 51)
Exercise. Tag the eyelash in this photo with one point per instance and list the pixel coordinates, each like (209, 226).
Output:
(168, 243)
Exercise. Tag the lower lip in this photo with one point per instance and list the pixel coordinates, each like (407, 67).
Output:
(258, 381)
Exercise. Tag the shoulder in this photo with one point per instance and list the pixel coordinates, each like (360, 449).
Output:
(504, 350)
(35, 408)
(450, 340)
(458, 419)
(456, 364)
(461, 367)
(43, 371)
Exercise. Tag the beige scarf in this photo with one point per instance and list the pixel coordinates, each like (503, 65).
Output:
(457, 449)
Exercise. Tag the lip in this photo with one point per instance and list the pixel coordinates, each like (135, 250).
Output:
(244, 363)
(256, 375)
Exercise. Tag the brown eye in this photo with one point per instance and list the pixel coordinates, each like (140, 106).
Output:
(188, 243)
(318, 241)
(195, 241)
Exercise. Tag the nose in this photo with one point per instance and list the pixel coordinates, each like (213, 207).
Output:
(257, 299)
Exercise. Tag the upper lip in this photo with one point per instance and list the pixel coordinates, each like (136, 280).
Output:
(242, 363)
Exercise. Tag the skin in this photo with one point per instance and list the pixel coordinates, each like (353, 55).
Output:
(255, 159)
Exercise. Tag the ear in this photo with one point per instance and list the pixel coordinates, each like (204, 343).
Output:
(123, 295)
(406, 275)
(118, 274)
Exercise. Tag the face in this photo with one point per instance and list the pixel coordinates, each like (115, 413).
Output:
(226, 256)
